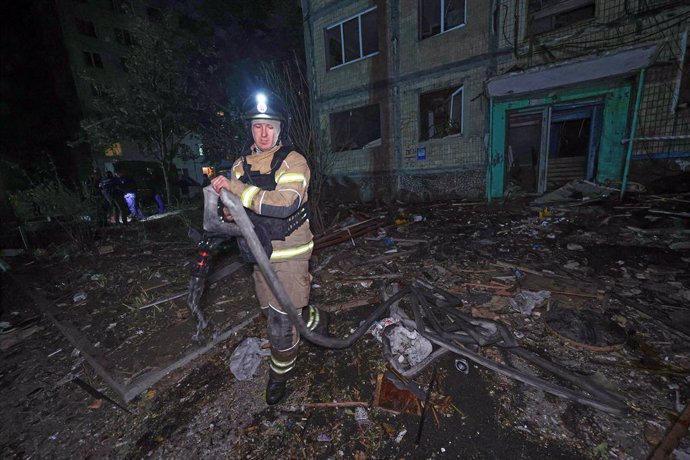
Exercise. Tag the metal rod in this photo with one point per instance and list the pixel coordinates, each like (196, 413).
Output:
(679, 137)
(633, 129)
(489, 164)
(426, 404)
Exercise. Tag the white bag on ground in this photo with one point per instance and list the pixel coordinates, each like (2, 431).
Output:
(246, 358)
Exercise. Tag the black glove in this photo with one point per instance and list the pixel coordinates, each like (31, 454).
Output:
(264, 238)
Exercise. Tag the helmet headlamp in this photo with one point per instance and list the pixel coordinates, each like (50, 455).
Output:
(261, 105)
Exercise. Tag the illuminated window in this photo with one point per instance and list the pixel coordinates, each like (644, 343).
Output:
(114, 150)
(353, 39)
(439, 16)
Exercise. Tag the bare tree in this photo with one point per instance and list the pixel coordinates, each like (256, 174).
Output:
(289, 81)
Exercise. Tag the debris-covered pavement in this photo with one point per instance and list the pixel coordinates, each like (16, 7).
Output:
(575, 278)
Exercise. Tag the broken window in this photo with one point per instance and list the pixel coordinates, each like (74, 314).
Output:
(100, 90)
(154, 14)
(353, 39)
(356, 128)
(93, 59)
(438, 16)
(123, 37)
(547, 15)
(122, 6)
(86, 27)
(440, 113)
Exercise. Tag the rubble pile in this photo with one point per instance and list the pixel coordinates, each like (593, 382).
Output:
(560, 322)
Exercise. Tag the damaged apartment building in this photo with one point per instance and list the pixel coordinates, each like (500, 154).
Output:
(475, 98)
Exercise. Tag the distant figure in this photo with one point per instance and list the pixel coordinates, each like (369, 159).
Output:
(113, 195)
(129, 191)
(183, 184)
(154, 185)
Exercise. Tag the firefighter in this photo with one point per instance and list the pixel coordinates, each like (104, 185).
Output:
(272, 182)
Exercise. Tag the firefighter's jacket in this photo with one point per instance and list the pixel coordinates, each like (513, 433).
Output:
(292, 181)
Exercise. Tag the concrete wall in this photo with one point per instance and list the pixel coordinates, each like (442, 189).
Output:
(405, 68)
(494, 41)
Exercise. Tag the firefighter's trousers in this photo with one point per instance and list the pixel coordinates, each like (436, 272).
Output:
(284, 337)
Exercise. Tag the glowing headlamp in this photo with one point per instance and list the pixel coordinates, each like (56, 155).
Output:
(261, 106)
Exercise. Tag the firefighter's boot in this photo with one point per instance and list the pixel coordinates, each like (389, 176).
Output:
(284, 347)
(275, 388)
(316, 320)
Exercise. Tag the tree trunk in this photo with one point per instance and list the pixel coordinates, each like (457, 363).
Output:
(166, 182)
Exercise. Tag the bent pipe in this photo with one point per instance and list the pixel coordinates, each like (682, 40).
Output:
(247, 229)
(507, 341)
(605, 402)
(557, 390)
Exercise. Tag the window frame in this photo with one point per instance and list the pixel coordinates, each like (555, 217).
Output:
(681, 99)
(452, 95)
(95, 60)
(556, 10)
(336, 146)
(342, 39)
(85, 27)
(126, 35)
(441, 19)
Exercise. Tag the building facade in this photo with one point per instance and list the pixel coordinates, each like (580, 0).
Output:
(98, 35)
(469, 98)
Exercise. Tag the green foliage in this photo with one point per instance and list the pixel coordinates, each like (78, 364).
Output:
(168, 99)
(47, 197)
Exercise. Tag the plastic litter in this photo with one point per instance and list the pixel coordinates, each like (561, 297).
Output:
(362, 417)
(79, 297)
(246, 358)
(526, 301)
(377, 328)
(407, 345)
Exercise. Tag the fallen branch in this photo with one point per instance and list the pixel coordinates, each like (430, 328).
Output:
(577, 294)
(672, 439)
(337, 404)
(167, 299)
(385, 276)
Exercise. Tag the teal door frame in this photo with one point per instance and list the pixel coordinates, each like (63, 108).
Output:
(611, 155)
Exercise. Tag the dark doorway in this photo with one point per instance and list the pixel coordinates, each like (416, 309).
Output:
(538, 159)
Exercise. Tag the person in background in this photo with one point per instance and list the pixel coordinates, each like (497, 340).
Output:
(272, 182)
(154, 185)
(113, 195)
(129, 192)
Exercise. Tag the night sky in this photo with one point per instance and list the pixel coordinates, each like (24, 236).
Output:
(39, 112)
(39, 109)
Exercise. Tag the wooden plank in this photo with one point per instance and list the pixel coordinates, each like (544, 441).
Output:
(94, 356)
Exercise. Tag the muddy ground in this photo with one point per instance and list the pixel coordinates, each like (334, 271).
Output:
(604, 257)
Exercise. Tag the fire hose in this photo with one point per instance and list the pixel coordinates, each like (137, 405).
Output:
(460, 333)
(216, 230)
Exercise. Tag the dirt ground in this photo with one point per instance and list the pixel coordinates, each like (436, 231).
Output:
(625, 263)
